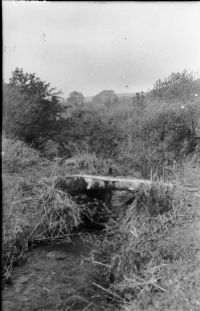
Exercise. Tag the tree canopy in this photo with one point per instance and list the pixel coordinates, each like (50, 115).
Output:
(106, 97)
(75, 99)
(176, 87)
(31, 108)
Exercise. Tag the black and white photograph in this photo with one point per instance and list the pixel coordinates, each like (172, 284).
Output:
(100, 154)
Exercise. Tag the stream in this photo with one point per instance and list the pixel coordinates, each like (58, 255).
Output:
(60, 275)
(56, 276)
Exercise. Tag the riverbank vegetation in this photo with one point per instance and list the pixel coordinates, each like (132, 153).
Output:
(152, 250)
(148, 256)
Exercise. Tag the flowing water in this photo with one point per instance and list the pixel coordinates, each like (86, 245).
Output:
(56, 276)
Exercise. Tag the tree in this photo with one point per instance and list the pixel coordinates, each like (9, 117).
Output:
(14, 105)
(31, 107)
(75, 99)
(176, 87)
(106, 97)
(139, 99)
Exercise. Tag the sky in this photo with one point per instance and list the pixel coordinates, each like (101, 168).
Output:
(93, 46)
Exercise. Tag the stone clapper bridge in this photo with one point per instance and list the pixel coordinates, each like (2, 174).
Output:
(118, 192)
(115, 183)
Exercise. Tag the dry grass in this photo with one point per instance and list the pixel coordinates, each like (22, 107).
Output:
(149, 257)
(34, 208)
(89, 164)
(17, 156)
(152, 250)
(20, 160)
(38, 212)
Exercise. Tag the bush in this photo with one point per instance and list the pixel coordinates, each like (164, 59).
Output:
(165, 134)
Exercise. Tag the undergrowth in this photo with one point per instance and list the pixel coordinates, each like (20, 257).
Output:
(145, 252)
(147, 257)
(87, 163)
(39, 211)
(34, 207)
(17, 156)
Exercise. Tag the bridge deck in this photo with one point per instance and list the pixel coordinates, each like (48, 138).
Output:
(116, 183)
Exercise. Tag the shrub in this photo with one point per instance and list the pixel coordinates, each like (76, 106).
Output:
(165, 134)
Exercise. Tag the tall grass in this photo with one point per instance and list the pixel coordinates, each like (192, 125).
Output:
(148, 254)
(147, 250)
(17, 155)
(34, 207)
(39, 212)
(84, 162)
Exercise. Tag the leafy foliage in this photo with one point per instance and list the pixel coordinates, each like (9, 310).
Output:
(97, 131)
(106, 97)
(75, 99)
(144, 251)
(141, 135)
(173, 125)
(31, 107)
(177, 87)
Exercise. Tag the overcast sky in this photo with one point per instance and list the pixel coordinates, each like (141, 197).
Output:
(91, 46)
